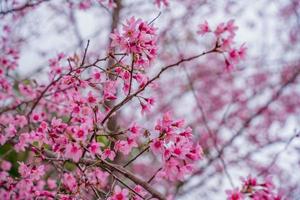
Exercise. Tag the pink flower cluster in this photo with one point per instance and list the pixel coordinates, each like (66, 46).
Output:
(30, 186)
(255, 190)
(9, 56)
(225, 34)
(87, 4)
(160, 3)
(68, 117)
(119, 194)
(176, 147)
(139, 39)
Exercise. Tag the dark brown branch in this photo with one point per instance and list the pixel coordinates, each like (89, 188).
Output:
(126, 173)
(23, 7)
(128, 98)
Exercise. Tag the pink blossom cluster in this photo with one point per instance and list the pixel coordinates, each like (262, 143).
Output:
(87, 4)
(30, 185)
(63, 123)
(9, 56)
(176, 147)
(78, 133)
(161, 3)
(225, 35)
(78, 93)
(139, 39)
(124, 194)
(256, 190)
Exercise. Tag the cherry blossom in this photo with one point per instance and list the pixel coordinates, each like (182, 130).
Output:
(119, 194)
(149, 106)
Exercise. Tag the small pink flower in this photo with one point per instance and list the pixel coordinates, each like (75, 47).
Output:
(134, 130)
(80, 133)
(24, 170)
(102, 177)
(5, 165)
(221, 28)
(36, 117)
(162, 2)
(231, 27)
(51, 184)
(140, 190)
(119, 194)
(125, 146)
(195, 153)
(91, 99)
(96, 76)
(145, 108)
(70, 182)
(73, 151)
(109, 90)
(156, 146)
(94, 148)
(234, 194)
(249, 181)
(203, 28)
(108, 153)
(242, 51)
(137, 37)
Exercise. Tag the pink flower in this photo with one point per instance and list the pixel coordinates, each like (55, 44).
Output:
(228, 27)
(125, 146)
(249, 182)
(234, 56)
(195, 153)
(119, 194)
(171, 170)
(231, 27)
(242, 51)
(5, 165)
(70, 182)
(34, 173)
(162, 2)
(36, 117)
(140, 190)
(24, 139)
(134, 130)
(109, 90)
(180, 150)
(234, 194)
(137, 37)
(85, 4)
(24, 170)
(108, 153)
(268, 183)
(225, 33)
(221, 28)
(51, 184)
(96, 75)
(141, 79)
(73, 151)
(184, 171)
(156, 146)
(102, 177)
(112, 4)
(150, 101)
(10, 131)
(145, 108)
(91, 99)
(203, 28)
(94, 148)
